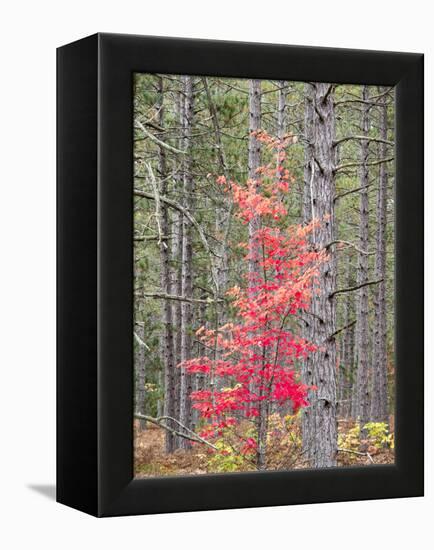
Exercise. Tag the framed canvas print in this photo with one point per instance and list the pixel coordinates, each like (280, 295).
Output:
(240, 275)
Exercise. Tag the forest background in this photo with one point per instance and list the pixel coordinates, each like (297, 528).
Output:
(223, 169)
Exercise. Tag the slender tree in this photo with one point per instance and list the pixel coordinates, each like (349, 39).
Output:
(281, 125)
(346, 364)
(379, 408)
(254, 159)
(163, 227)
(140, 363)
(186, 269)
(363, 382)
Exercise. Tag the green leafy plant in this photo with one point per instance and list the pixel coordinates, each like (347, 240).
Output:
(226, 458)
(379, 435)
(350, 440)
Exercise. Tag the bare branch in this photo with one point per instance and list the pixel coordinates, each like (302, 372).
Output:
(341, 195)
(362, 138)
(155, 126)
(160, 422)
(371, 101)
(348, 243)
(156, 140)
(357, 453)
(164, 296)
(151, 238)
(347, 326)
(181, 209)
(351, 289)
(353, 164)
(141, 342)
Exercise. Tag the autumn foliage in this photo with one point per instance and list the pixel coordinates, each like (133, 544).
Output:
(252, 363)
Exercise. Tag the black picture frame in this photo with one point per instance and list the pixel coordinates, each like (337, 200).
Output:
(95, 258)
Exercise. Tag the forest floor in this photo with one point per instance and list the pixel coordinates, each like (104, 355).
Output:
(151, 460)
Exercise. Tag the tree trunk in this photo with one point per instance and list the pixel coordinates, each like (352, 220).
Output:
(379, 407)
(186, 267)
(319, 419)
(167, 333)
(307, 323)
(281, 119)
(363, 390)
(140, 368)
(176, 260)
(176, 290)
(200, 351)
(254, 162)
(281, 122)
(347, 357)
(222, 227)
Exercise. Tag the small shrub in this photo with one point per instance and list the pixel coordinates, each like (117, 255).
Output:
(379, 435)
(350, 440)
(226, 459)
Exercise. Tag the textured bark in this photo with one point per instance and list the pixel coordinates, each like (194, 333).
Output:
(176, 290)
(186, 267)
(167, 332)
(281, 106)
(254, 162)
(160, 402)
(281, 118)
(199, 351)
(176, 278)
(140, 368)
(379, 406)
(319, 419)
(222, 226)
(222, 220)
(307, 323)
(346, 366)
(363, 389)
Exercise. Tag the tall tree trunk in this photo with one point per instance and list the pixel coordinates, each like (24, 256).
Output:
(222, 227)
(363, 390)
(281, 106)
(176, 290)
(176, 258)
(186, 267)
(140, 369)
(281, 122)
(347, 358)
(167, 333)
(200, 351)
(379, 407)
(254, 162)
(319, 419)
(307, 323)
